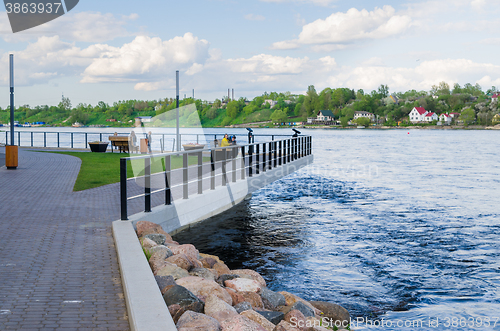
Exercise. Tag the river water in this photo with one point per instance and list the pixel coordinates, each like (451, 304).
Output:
(401, 227)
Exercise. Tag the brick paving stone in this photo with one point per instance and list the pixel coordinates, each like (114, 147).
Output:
(56, 247)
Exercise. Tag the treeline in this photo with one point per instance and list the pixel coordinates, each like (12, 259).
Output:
(277, 107)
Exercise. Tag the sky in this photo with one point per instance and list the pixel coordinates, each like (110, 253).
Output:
(119, 50)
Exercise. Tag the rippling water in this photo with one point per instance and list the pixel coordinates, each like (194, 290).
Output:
(397, 225)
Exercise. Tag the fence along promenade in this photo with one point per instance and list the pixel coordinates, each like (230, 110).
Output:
(80, 140)
(235, 162)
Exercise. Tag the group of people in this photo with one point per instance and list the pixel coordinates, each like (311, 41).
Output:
(228, 141)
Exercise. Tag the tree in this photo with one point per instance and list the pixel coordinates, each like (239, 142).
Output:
(310, 100)
(344, 121)
(364, 121)
(441, 89)
(279, 116)
(298, 109)
(468, 116)
(65, 104)
(233, 108)
(383, 91)
(212, 113)
(217, 104)
(249, 109)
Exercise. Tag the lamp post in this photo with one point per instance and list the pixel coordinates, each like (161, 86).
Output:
(177, 108)
(11, 151)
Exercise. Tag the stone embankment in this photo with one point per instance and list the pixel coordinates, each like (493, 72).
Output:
(203, 294)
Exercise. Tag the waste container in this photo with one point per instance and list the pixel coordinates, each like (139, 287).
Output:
(143, 146)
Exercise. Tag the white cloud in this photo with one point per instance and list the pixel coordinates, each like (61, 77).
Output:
(323, 3)
(194, 69)
(268, 64)
(252, 17)
(146, 58)
(83, 26)
(422, 77)
(345, 28)
(150, 86)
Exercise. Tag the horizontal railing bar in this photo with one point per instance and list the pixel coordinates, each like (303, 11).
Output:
(208, 150)
(245, 160)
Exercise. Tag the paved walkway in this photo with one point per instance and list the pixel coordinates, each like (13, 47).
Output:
(58, 264)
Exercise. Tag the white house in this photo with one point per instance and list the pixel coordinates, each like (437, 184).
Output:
(358, 114)
(325, 115)
(272, 103)
(445, 118)
(418, 114)
(494, 97)
(429, 117)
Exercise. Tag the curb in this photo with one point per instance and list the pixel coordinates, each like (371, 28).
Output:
(146, 308)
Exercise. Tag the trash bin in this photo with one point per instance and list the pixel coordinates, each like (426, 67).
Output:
(143, 148)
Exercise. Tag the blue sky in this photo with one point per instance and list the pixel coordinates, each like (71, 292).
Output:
(116, 50)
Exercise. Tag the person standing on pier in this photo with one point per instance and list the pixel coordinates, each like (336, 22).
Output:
(225, 141)
(150, 139)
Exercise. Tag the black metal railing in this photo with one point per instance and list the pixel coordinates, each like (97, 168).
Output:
(244, 160)
(80, 140)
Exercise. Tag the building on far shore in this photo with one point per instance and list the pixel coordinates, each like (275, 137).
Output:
(430, 116)
(417, 114)
(322, 117)
(358, 114)
(271, 103)
(445, 119)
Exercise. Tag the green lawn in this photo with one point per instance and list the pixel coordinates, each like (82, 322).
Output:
(100, 169)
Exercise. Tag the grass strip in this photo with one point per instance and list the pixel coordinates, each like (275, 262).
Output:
(100, 169)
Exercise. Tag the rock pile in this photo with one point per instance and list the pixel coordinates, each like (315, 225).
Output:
(203, 294)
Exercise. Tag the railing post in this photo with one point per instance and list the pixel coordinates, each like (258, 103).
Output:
(294, 149)
(123, 189)
(270, 155)
(212, 169)
(86, 144)
(185, 175)
(7, 138)
(18, 138)
(168, 193)
(71, 139)
(280, 147)
(200, 173)
(31, 138)
(147, 186)
(58, 140)
(257, 159)
(100, 136)
(234, 154)
(302, 147)
(223, 167)
(242, 162)
(275, 155)
(284, 151)
(250, 159)
(288, 150)
(264, 165)
(45, 139)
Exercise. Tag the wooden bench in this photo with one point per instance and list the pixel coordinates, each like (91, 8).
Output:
(121, 142)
